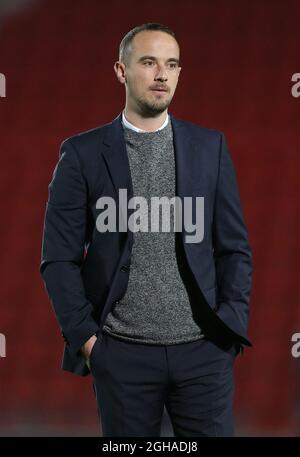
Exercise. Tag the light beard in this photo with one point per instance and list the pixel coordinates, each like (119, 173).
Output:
(150, 109)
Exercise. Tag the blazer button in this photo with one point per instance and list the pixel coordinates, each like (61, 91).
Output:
(124, 268)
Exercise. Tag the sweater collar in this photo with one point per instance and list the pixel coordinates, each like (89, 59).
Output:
(128, 124)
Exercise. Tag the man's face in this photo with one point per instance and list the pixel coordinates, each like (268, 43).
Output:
(152, 72)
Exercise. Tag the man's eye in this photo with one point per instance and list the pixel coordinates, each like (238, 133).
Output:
(173, 65)
(148, 62)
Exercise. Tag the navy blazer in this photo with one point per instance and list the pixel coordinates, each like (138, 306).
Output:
(85, 271)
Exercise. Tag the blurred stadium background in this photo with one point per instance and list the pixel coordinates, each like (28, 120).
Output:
(238, 58)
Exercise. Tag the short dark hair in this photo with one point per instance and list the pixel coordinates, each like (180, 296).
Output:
(125, 45)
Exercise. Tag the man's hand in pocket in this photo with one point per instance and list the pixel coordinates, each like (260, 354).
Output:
(87, 349)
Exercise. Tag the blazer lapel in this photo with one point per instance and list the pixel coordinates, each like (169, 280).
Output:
(117, 162)
(116, 156)
(188, 171)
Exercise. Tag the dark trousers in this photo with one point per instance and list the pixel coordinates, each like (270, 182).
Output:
(132, 383)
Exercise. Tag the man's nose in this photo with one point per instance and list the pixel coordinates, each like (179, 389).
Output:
(161, 74)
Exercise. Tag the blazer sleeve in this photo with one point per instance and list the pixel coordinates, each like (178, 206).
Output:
(63, 249)
(232, 252)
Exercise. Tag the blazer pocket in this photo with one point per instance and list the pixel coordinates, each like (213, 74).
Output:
(94, 348)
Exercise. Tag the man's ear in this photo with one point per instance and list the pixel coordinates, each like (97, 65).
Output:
(119, 68)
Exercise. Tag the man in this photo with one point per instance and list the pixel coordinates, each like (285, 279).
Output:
(156, 316)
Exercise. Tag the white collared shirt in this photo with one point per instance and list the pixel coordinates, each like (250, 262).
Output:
(136, 129)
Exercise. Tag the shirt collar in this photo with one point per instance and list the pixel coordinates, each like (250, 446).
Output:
(128, 124)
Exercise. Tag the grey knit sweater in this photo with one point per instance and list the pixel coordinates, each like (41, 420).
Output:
(155, 308)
